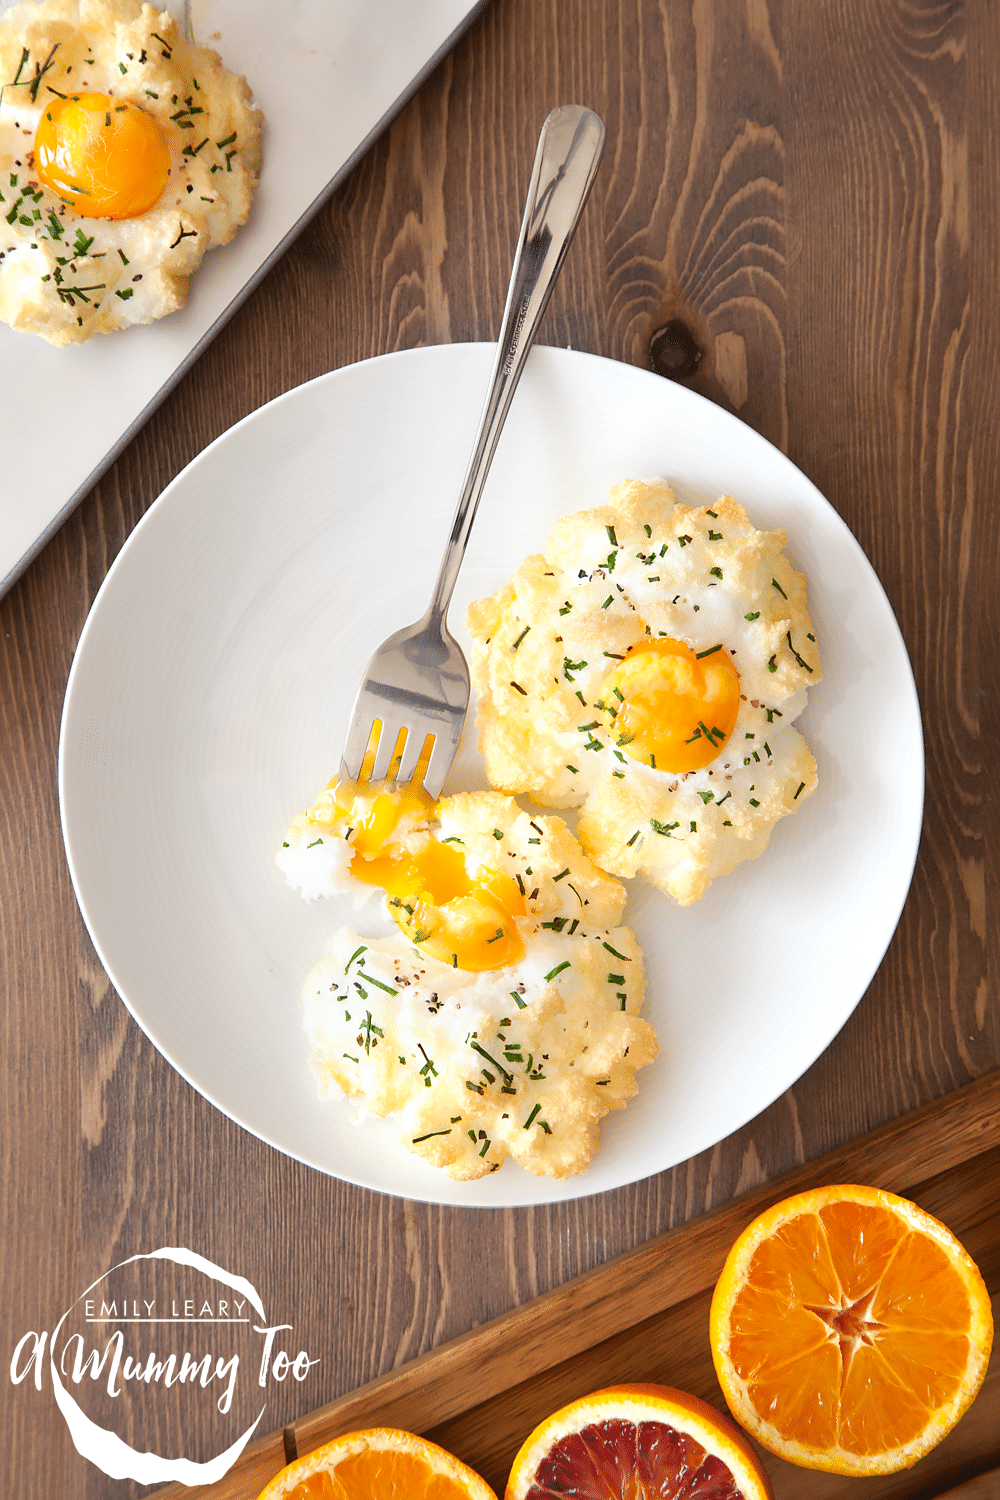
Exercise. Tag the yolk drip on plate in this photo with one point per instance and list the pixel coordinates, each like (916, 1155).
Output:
(106, 158)
(463, 920)
(669, 706)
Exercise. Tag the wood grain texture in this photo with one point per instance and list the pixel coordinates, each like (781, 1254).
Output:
(644, 1316)
(806, 188)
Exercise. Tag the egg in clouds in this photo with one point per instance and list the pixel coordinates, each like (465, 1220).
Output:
(650, 667)
(501, 1017)
(126, 154)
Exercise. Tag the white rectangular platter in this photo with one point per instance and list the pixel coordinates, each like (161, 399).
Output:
(328, 75)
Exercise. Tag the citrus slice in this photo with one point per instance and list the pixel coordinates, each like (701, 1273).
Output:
(637, 1442)
(850, 1330)
(381, 1464)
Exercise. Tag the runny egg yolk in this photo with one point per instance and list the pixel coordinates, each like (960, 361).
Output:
(463, 920)
(671, 707)
(106, 158)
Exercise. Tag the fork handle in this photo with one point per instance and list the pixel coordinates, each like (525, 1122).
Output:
(566, 161)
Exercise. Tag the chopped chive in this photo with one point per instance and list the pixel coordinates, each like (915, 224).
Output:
(754, 802)
(611, 535)
(630, 843)
(608, 601)
(776, 585)
(614, 951)
(616, 979)
(519, 689)
(562, 874)
(801, 788)
(520, 638)
(804, 664)
(710, 652)
(754, 615)
(534, 1112)
(521, 1004)
(483, 1053)
(387, 987)
(416, 1139)
(707, 797)
(576, 772)
(557, 970)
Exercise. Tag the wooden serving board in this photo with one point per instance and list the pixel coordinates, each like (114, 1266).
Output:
(644, 1316)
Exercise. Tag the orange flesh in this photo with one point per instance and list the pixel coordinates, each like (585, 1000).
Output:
(379, 1475)
(622, 1460)
(463, 920)
(850, 1306)
(106, 158)
(671, 707)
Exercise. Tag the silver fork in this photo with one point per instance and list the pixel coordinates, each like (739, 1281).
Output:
(417, 683)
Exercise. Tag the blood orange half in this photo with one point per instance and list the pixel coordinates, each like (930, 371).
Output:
(637, 1442)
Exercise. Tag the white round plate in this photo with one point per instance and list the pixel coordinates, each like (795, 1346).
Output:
(212, 687)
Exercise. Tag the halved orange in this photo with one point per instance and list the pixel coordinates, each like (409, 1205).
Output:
(850, 1330)
(637, 1442)
(380, 1464)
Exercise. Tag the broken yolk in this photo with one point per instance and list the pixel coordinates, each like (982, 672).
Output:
(106, 158)
(463, 920)
(671, 707)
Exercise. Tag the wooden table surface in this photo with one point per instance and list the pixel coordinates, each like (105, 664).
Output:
(808, 194)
